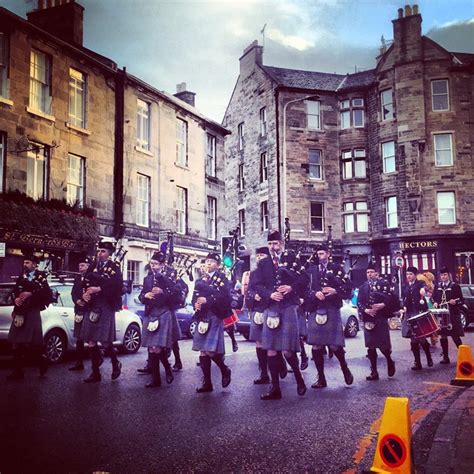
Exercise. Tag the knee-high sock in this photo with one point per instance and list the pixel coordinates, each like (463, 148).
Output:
(339, 353)
(110, 351)
(219, 361)
(388, 354)
(164, 360)
(154, 362)
(318, 357)
(274, 363)
(95, 358)
(372, 355)
(80, 350)
(415, 348)
(177, 358)
(205, 364)
(457, 340)
(303, 350)
(293, 361)
(262, 361)
(426, 348)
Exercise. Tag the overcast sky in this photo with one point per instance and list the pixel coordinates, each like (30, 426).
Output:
(200, 42)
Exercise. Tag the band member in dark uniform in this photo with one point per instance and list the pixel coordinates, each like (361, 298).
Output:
(31, 295)
(211, 301)
(255, 308)
(79, 309)
(375, 305)
(102, 293)
(448, 295)
(280, 290)
(323, 301)
(160, 294)
(413, 300)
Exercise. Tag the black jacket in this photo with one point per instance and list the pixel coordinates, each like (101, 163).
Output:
(170, 297)
(380, 293)
(453, 292)
(412, 299)
(76, 293)
(109, 278)
(38, 286)
(216, 290)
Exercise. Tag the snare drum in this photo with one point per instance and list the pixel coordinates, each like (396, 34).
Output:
(423, 324)
(444, 317)
(231, 320)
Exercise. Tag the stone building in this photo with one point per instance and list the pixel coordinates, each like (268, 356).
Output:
(104, 152)
(382, 158)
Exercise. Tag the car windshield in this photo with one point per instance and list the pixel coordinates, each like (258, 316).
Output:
(64, 298)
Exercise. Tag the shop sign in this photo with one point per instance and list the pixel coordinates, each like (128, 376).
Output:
(422, 244)
(42, 241)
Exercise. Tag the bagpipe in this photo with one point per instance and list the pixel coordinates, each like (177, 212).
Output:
(38, 283)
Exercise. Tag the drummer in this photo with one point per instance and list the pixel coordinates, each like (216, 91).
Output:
(413, 299)
(448, 295)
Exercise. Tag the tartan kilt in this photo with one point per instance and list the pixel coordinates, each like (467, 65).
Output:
(256, 330)
(302, 322)
(286, 336)
(101, 331)
(177, 335)
(379, 336)
(163, 336)
(31, 332)
(329, 334)
(213, 340)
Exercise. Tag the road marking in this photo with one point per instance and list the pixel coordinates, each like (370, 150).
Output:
(441, 384)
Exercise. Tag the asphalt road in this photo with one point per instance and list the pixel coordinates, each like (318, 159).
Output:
(59, 424)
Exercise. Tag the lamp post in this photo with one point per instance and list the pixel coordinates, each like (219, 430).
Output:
(300, 99)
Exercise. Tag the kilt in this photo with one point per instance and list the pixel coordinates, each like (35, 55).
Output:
(457, 329)
(329, 334)
(77, 332)
(213, 340)
(379, 336)
(256, 330)
(163, 336)
(31, 332)
(101, 331)
(302, 322)
(176, 329)
(286, 336)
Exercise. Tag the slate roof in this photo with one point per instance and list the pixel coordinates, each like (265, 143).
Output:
(358, 80)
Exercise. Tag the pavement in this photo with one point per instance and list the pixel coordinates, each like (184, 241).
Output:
(452, 450)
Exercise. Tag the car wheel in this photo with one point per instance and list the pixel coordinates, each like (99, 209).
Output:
(132, 339)
(463, 319)
(192, 328)
(352, 327)
(55, 343)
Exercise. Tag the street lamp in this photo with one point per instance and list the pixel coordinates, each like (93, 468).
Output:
(301, 99)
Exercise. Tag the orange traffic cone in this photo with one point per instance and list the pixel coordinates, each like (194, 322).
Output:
(393, 452)
(464, 367)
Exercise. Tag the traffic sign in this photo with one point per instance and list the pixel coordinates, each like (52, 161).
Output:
(392, 450)
(465, 368)
(399, 261)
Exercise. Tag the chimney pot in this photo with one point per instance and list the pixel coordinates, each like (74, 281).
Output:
(415, 9)
(407, 10)
(400, 13)
(181, 87)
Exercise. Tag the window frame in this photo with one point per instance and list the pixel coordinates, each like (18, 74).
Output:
(181, 142)
(241, 177)
(316, 114)
(264, 216)
(211, 218)
(352, 159)
(77, 95)
(436, 150)
(386, 158)
(315, 165)
(263, 121)
(143, 206)
(242, 222)
(240, 136)
(263, 167)
(211, 155)
(5, 65)
(314, 216)
(3, 159)
(391, 116)
(143, 125)
(389, 213)
(45, 95)
(356, 214)
(182, 213)
(42, 154)
(82, 180)
(433, 95)
(135, 272)
(440, 209)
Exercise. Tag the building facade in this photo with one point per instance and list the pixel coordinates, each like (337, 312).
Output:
(89, 150)
(378, 161)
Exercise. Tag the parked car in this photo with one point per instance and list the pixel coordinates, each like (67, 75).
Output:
(131, 302)
(467, 309)
(186, 323)
(58, 323)
(349, 315)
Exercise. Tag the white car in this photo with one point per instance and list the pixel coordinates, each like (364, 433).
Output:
(58, 323)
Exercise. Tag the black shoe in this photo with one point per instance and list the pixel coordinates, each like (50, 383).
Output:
(16, 375)
(304, 363)
(390, 368)
(116, 370)
(235, 346)
(145, 371)
(301, 389)
(261, 380)
(169, 378)
(271, 395)
(43, 365)
(93, 378)
(153, 385)
(348, 377)
(177, 366)
(416, 366)
(198, 364)
(320, 383)
(204, 388)
(78, 366)
(445, 360)
(374, 375)
(226, 378)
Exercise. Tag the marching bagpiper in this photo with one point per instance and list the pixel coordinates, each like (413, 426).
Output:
(31, 295)
(103, 297)
(448, 295)
(211, 301)
(280, 290)
(375, 305)
(323, 301)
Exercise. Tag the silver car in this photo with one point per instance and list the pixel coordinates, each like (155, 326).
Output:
(58, 323)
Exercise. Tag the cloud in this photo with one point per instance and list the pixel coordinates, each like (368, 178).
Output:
(456, 36)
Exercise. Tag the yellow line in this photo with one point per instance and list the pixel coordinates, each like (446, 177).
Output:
(440, 384)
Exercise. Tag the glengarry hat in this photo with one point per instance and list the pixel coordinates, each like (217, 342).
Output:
(274, 235)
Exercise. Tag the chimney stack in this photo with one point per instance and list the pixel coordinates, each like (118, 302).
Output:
(61, 18)
(185, 95)
(253, 55)
(407, 37)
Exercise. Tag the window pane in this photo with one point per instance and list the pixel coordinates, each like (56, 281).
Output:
(440, 102)
(313, 108)
(440, 87)
(348, 206)
(357, 102)
(347, 169)
(358, 116)
(362, 223)
(359, 153)
(345, 119)
(443, 149)
(345, 104)
(361, 205)
(388, 154)
(315, 164)
(360, 168)
(349, 223)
